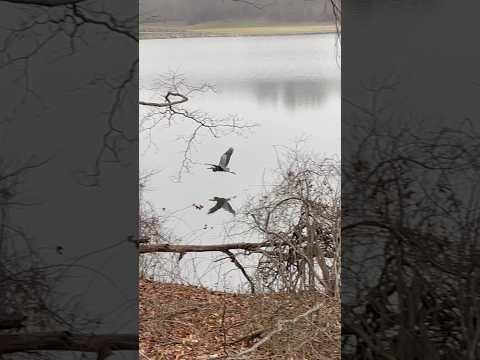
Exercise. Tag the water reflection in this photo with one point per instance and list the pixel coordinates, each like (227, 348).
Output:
(292, 94)
(286, 72)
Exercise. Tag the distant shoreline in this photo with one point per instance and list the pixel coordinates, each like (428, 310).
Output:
(215, 30)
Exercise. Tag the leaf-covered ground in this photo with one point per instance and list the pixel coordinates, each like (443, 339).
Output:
(186, 322)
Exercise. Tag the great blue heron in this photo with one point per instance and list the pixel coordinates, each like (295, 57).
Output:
(221, 203)
(223, 163)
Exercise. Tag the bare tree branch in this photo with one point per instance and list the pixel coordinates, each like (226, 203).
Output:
(281, 325)
(242, 269)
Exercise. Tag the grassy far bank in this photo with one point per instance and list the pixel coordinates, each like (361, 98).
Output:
(162, 31)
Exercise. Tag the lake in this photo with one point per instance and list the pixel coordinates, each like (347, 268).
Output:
(288, 85)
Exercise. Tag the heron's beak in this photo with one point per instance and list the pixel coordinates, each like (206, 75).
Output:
(211, 200)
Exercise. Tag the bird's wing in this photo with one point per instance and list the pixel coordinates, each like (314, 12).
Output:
(228, 207)
(225, 159)
(217, 206)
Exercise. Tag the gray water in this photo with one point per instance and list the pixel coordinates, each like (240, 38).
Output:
(288, 85)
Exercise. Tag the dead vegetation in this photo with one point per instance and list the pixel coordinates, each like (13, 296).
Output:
(186, 322)
(294, 310)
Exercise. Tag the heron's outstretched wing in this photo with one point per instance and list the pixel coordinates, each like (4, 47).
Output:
(225, 159)
(217, 206)
(228, 207)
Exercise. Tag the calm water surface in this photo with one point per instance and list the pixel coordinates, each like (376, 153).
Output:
(288, 85)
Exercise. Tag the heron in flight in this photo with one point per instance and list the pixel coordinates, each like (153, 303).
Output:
(223, 164)
(221, 203)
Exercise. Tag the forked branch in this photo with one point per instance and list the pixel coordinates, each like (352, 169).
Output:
(168, 102)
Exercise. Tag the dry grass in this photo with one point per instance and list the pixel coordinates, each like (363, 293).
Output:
(184, 322)
(248, 30)
(233, 29)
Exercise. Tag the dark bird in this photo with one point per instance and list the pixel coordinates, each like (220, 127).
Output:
(59, 250)
(223, 163)
(197, 206)
(221, 203)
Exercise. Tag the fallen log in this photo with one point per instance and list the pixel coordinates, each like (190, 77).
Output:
(58, 341)
(151, 248)
(8, 322)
